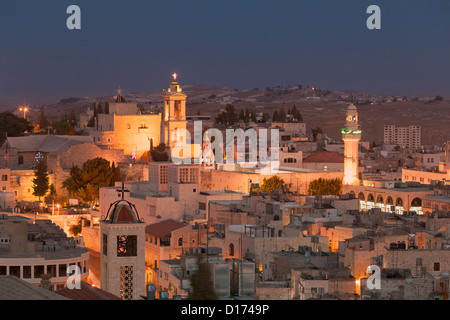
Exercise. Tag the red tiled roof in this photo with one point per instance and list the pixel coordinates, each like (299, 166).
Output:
(324, 157)
(164, 228)
(86, 292)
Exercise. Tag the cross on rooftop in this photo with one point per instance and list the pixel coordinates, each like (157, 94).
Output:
(122, 191)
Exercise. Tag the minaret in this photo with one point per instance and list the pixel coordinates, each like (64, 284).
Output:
(174, 112)
(351, 135)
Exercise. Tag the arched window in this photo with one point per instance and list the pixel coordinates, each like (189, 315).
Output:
(380, 199)
(280, 233)
(416, 202)
(389, 200)
(361, 196)
(20, 159)
(231, 250)
(399, 202)
(276, 218)
(180, 241)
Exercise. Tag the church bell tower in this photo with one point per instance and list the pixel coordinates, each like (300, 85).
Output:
(122, 259)
(174, 114)
(351, 135)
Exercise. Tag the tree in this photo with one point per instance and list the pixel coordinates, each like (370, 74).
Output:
(323, 186)
(315, 132)
(12, 126)
(242, 115)
(296, 114)
(76, 229)
(247, 116)
(43, 122)
(72, 118)
(117, 176)
(159, 154)
(275, 116)
(282, 115)
(201, 285)
(64, 126)
(227, 117)
(86, 182)
(253, 117)
(273, 183)
(40, 181)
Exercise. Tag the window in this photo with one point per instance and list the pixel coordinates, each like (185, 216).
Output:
(105, 244)
(2, 270)
(14, 271)
(27, 272)
(20, 160)
(4, 177)
(62, 268)
(126, 246)
(38, 271)
(52, 270)
(126, 282)
(231, 250)
(180, 242)
(437, 266)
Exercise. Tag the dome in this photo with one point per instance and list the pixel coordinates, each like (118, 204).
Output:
(122, 213)
(351, 107)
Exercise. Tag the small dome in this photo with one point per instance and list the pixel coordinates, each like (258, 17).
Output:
(351, 107)
(123, 213)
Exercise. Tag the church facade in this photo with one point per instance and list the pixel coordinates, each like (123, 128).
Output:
(127, 128)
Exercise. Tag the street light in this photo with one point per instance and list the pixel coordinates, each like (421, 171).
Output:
(24, 109)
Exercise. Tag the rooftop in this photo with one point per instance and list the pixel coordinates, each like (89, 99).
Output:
(46, 143)
(164, 228)
(86, 292)
(13, 288)
(324, 157)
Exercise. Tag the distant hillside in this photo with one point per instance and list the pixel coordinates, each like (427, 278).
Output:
(319, 107)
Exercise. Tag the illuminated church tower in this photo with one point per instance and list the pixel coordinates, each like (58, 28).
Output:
(174, 113)
(122, 259)
(351, 135)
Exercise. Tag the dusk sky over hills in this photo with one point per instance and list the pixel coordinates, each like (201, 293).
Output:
(237, 44)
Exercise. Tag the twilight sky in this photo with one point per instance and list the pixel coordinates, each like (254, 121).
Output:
(240, 44)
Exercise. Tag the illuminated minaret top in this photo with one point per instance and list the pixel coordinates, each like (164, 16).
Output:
(351, 135)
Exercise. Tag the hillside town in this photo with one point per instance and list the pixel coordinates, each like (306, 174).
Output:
(135, 202)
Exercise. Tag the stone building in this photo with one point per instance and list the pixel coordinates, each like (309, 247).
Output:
(20, 154)
(167, 240)
(31, 249)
